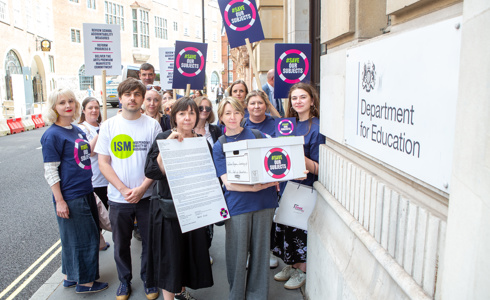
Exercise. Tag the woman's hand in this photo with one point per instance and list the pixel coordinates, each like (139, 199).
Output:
(176, 135)
(62, 210)
(303, 178)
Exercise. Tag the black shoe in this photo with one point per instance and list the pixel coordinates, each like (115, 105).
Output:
(184, 296)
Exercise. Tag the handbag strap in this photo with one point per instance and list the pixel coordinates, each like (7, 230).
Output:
(314, 171)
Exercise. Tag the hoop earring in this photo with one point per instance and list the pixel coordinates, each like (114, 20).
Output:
(56, 113)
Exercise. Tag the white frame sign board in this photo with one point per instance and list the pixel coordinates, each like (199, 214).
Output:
(401, 94)
(102, 49)
(167, 58)
(192, 179)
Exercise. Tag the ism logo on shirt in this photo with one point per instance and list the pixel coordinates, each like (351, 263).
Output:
(122, 146)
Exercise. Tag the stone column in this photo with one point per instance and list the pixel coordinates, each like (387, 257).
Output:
(466, 273)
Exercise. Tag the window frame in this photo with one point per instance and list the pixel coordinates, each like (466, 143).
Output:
(114, 14)
(75, 36)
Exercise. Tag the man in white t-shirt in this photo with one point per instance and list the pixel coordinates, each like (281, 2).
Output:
(123, 145)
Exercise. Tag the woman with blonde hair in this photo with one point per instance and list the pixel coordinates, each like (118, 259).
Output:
(257, 104)
(251, 209)
(153, 107)
(66, 155)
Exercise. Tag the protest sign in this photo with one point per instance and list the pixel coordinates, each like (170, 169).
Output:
(102, 49)
(292, 66)
(190, 65)
(241, 20)
(167, 57)
(285, 127)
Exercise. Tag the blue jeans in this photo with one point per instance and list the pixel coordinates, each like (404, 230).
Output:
(122, 216)
(80, 240)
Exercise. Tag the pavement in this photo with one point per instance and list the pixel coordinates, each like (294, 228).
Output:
(54, 290)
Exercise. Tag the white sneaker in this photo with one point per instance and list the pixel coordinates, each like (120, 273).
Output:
(297, 280)
(285, 274)
(273, 262)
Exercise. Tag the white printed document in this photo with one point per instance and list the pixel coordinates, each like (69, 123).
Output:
(195, 189)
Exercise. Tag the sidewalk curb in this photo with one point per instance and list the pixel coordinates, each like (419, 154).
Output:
(49, 287)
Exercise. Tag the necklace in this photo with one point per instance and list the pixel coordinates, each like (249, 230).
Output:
(235, 137)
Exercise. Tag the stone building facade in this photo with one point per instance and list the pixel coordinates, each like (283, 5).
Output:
(146, 25)
(393, 221)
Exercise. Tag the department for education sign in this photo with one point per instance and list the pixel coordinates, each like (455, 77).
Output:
(401, 94)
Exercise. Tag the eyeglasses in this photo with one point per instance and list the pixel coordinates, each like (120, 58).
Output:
(205, 108)
(156, 87)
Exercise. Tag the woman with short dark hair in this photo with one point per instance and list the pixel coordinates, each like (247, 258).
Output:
(170, 250)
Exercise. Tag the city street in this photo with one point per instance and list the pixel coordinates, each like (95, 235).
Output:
(29, 226)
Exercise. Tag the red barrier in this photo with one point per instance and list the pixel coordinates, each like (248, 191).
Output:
(38, 121)
(15, 125)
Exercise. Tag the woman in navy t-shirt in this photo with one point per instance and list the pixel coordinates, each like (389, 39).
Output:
(251, 209)
(66, 154)
(290, 242)
(257, 105)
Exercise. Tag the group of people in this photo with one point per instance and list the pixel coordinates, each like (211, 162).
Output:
(120, 161)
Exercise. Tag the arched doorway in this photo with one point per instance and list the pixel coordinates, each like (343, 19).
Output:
(38, 75)
(12, 66)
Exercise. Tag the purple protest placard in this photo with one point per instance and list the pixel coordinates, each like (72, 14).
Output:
(292, 66)
(285, 127)
(189, 65)
(241, 19)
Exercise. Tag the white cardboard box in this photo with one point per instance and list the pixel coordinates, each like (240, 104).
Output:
(265, 160)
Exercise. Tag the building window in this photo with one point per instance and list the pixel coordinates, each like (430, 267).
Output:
(12, 63)
(76, 1)
(75, 36)
(215, 36)
(198, 33)
(91, 4)
(161, 28)
(141, 29)
(114, 14)
(12, 66)
(215, 56)
(51, 63)
(4, 11)
(85, 81)
(214, 79)
(176, 26)
(186, 31)
(230, 76)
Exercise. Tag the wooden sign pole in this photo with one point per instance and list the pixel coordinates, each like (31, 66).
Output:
(104, 96)
(273, 110)
(175, 94)
(188, 90)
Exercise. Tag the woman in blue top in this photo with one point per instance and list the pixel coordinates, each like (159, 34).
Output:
(290, 242)
(257, 105)
(66, 155)
(251, 209)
